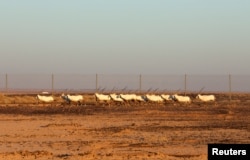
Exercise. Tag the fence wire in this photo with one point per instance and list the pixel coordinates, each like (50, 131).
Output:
(123, 83)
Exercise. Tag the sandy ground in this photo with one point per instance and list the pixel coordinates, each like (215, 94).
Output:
(169, 131)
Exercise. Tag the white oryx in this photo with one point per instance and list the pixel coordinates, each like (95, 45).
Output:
(116, 98)
(102, 97)
(140, 98)
(75, 98)
(154, 98)
(128, 97)
(166, 97)
(205, 98)
(178, 98)
(45, 98)
(72, 98)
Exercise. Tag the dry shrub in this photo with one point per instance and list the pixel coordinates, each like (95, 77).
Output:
(7, 100)
(25, 99)
(1, 96)
(58, 99)
(17, 99)
(89, 98)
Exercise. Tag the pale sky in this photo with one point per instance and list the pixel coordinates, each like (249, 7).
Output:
(125, 36)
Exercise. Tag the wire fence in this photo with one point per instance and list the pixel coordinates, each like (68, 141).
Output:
(10, 83)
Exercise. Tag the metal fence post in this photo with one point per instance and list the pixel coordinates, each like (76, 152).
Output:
(6, 82)
(96, 82)
(230, 87)
(185, 85)
(52, 83)
(140, 82)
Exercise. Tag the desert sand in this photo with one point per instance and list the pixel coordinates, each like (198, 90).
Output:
(170, 131)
